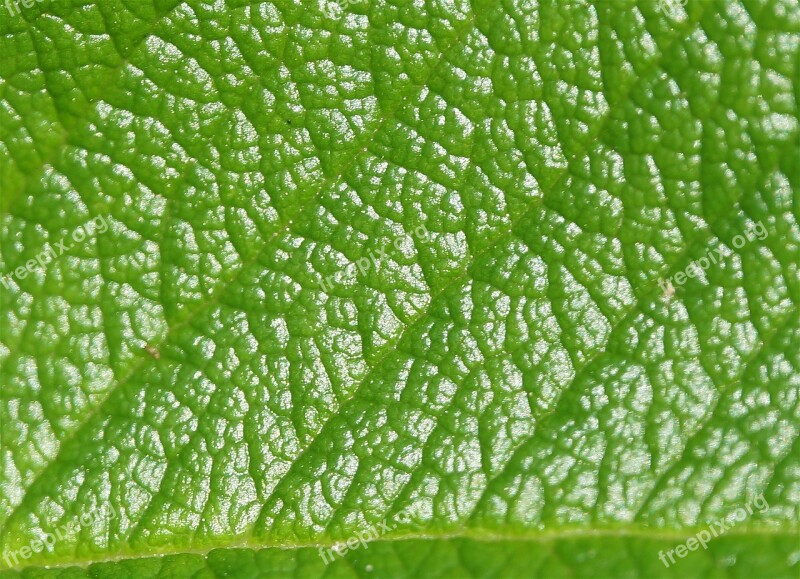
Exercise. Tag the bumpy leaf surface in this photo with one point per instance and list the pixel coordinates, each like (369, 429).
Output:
(379, 258)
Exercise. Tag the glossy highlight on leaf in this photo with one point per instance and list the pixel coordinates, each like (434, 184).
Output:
(368, 288)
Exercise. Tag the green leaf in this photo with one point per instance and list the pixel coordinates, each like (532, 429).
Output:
(413, 269)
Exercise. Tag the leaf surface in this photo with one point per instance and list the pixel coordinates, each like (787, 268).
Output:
(372, 262)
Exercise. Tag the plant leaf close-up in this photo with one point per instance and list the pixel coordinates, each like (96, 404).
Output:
(399, 288)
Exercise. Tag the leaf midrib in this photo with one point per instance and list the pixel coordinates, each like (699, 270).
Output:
(473, 534)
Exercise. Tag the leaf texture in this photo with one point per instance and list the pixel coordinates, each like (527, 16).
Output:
(372, 258)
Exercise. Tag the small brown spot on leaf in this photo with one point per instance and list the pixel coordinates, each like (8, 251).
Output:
(152, 351)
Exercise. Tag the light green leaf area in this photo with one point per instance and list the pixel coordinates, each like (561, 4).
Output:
(402, 262)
